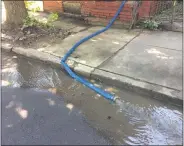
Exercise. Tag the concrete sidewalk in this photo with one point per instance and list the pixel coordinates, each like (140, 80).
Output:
(152, 61)
(148, 62)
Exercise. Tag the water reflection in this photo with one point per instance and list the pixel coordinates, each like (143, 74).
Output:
(153, 125)
(134, 120)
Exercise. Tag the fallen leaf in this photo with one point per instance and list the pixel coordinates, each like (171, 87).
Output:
(52, 90)
(110, 89)
(22, 113)
(69, 106)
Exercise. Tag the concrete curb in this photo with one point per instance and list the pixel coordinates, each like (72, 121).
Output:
(147, 89)
(154, 91)
(48, 58)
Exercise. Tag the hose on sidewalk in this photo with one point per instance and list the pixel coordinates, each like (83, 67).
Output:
(80, 79)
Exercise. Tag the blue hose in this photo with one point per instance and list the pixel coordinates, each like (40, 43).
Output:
(79, 79)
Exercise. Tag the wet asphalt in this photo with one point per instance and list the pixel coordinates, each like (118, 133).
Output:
(43, 105)
(36, 117)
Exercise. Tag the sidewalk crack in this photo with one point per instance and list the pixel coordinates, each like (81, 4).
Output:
(118, 50)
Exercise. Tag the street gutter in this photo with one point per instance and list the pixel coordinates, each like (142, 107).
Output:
(154, 91)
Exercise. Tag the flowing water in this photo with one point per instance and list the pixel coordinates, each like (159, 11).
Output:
(132, 120)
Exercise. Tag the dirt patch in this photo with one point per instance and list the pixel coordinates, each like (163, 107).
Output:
(33, 37)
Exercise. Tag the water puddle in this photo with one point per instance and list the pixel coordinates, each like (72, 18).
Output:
(133, 120)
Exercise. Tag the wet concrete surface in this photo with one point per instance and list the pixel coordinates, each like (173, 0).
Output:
(62, 100)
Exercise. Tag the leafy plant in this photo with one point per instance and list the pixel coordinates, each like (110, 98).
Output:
(35, 9)
(52, 17)
(32, 21)
(29, 5)
(151, 24)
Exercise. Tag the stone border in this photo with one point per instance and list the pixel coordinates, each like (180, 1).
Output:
(151, 90)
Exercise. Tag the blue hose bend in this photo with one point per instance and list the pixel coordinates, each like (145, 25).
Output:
(79, 79)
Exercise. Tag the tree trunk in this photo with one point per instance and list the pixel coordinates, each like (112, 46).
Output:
(15, 12)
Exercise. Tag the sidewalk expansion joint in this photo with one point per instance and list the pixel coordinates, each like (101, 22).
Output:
(118, 50)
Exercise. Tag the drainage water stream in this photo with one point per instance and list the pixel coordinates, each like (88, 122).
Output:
(134, 120)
